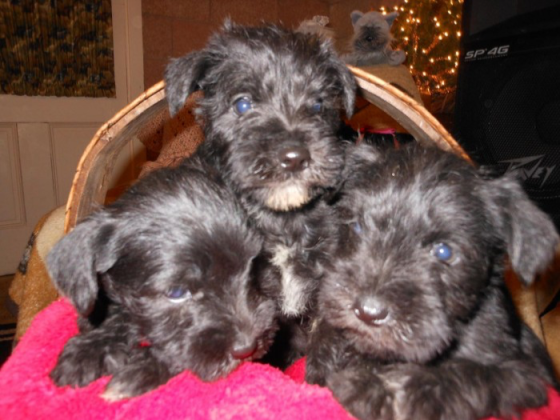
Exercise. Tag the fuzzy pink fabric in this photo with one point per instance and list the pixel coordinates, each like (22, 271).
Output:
(253, 391)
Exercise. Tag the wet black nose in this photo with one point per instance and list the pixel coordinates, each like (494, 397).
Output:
(295, 158)
(371, 310)
(243, 350)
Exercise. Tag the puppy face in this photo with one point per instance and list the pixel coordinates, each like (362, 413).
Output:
(423, 236)
(272, 101)
(175, 254)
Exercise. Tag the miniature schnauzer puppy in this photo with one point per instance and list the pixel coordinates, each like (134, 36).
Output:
(174, 258)
(271, 111)
(415, 320)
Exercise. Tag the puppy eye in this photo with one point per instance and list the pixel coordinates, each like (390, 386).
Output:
(443, 252)
(356, 227)
(177, 294)
(317, 107)
(242, 105)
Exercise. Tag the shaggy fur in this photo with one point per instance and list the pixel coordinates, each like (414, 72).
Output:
(415, 319)
(271, 111)
(173, 257)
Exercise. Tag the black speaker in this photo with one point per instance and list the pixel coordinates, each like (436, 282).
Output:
(507, 111)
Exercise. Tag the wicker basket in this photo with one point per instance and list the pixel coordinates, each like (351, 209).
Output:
(90, 184)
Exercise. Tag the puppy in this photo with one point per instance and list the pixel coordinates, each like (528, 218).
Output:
(415, 319)
(173, 256)
(271, 111)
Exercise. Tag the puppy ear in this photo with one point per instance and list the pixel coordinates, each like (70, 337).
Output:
(75, 261)
(355, 16)
(182, 77)
(530, 234)
(343, 78)
(360, 162)
(349, 87)
(390, 18)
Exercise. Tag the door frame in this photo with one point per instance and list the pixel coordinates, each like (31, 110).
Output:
(129, 78)
(27, 133)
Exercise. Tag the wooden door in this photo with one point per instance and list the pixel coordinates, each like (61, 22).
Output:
(42, 139)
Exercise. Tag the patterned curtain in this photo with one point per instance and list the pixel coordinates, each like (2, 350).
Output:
(56, 48)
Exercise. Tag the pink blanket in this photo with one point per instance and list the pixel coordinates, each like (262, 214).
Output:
(253, 391)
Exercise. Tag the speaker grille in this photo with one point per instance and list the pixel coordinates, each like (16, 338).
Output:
(508, 111)
(521, 119)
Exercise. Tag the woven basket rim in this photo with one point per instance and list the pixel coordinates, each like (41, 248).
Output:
(89, 185)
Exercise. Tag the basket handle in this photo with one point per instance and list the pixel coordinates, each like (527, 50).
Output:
(90, 183)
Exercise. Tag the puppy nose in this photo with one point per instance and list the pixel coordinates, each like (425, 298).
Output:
(294, 158)
(244, 350)
(371, 311)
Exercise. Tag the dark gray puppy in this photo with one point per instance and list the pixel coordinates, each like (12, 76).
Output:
(174, 258)
(415, 319)
(271, 111)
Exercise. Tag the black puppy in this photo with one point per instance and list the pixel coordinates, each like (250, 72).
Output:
(174, 257)
(415, 321)
(271, 111)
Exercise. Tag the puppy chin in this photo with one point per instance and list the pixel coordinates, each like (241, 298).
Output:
(287, 197)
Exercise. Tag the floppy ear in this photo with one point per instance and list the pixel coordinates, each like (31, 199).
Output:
(345, 80)
(339, 73)
(390, 18)
(530, 234)
(75, 261)
(182, 77)
(349, 87)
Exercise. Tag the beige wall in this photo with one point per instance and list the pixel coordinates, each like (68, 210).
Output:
(172, 28)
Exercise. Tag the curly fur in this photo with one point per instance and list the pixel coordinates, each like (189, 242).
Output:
(173, 257)
(403, 333)
(297, 87)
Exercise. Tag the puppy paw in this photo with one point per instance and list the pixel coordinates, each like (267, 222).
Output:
(77, 365)
(122, 386)
(363, 395)
(422, 398)
(74, 374)
(119, 389)
(134, 380)
(428, 394)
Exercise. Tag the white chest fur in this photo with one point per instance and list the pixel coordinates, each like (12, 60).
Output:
(294, 297)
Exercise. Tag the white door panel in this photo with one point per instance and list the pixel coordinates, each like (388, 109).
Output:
(68, 144)
(11, 204)
(42, 139)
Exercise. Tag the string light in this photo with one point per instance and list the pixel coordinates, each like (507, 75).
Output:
(432, 49)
